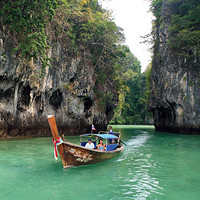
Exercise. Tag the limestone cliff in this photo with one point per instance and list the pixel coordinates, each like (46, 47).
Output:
(65, 90)
(175, 83)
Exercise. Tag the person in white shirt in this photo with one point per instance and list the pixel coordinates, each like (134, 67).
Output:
(89, 145)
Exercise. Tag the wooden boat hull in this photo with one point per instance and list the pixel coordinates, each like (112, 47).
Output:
(76, 155)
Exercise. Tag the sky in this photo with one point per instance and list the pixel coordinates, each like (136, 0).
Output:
(134, 17)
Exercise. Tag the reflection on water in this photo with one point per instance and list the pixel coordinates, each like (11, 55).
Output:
(153, 165)
(139, 182)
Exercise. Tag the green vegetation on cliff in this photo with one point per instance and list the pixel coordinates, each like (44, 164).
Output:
(26, 22)
(83, 22)
(88, 31)
(184, 28)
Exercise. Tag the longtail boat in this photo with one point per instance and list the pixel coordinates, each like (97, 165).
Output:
(75, 155)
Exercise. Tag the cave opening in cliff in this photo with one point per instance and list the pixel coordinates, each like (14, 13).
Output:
(25, 98)
(26, 95)
(165, 117)
(6, 93)
(72, 80)
(87, 103)
(56, 98)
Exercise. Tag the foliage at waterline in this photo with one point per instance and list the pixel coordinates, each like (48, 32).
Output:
(133, 98)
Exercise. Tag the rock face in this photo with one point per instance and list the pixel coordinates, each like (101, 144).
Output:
(66, 90)
(175, 85)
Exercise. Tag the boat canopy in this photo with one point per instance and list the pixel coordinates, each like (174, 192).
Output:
(103, 136)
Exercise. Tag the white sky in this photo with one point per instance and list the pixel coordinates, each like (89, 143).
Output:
(134, 17)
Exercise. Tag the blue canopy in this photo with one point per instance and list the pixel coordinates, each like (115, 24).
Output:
(103, 136)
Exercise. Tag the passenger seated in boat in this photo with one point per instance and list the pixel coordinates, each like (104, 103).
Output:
(89, 145)
(101, 146)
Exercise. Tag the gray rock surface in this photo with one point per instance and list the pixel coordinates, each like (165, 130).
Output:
(66, 90)
(175, 85)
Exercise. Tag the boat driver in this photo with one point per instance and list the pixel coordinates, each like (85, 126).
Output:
(110, 130)
(89, 145)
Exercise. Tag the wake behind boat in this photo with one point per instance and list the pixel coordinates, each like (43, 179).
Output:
(75, 155)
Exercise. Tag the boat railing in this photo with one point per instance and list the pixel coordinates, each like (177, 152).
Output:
(102, 132)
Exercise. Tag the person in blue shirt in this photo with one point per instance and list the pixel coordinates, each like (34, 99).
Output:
(101, 146)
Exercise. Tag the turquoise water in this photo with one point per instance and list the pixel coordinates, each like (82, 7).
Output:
(154, 165)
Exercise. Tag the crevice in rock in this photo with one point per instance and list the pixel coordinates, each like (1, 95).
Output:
(15, 98)
(39, 104)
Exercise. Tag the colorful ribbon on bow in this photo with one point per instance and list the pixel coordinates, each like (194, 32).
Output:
(56, 143)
